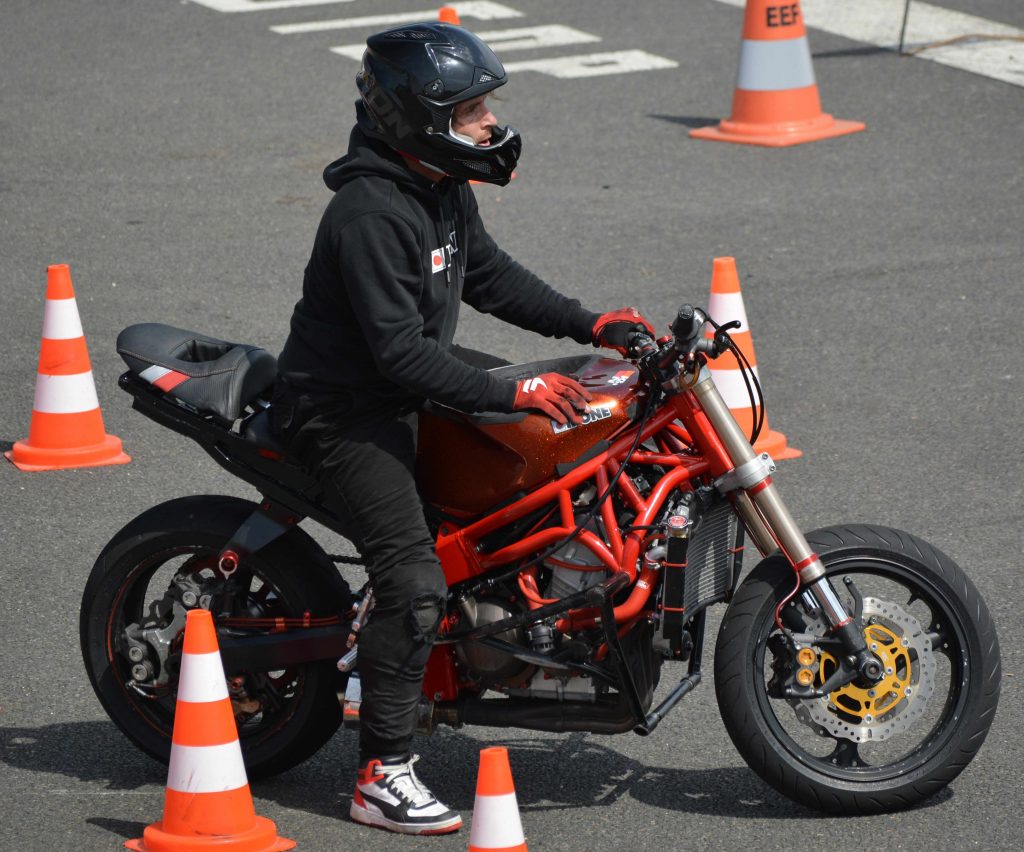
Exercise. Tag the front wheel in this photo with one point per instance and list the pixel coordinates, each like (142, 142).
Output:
(863, 747)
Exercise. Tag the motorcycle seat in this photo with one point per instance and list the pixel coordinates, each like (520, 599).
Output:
(206, 374)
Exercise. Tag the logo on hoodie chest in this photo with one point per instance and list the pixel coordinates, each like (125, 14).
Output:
(442, 258)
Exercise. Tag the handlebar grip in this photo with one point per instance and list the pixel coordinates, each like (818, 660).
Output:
(687, 325)
(639, 343)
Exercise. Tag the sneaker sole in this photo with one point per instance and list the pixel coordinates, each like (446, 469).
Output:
(366, 817)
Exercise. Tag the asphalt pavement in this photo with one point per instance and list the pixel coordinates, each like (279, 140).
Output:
(171, 152)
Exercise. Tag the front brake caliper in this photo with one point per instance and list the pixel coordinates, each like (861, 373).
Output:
(861, 711)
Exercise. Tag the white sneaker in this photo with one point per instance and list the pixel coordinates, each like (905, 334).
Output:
(389, 795)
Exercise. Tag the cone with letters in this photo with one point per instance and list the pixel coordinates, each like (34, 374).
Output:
(67, 426)
(775, 102)
(496, 823)
(207, 803)
(725, 306)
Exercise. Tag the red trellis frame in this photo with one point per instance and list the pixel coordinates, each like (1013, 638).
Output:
(677, 424)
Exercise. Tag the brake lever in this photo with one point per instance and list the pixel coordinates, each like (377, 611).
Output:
(719, 343)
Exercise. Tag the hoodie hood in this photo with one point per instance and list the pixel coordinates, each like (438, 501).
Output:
(368, 156)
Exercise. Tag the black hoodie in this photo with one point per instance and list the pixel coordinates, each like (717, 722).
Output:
(394, 255)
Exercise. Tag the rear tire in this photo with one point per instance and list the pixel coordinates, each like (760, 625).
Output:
(894, 744)
(139, 578)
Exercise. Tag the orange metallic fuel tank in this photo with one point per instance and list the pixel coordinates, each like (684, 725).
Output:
(469, 463)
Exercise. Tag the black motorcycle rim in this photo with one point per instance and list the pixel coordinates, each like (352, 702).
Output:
(156, 707)
(845, 762)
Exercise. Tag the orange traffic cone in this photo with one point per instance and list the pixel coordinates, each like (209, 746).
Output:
(207, 803)
(67, 426)
(496, 823)
(725, 306)
(775, 102)
(448, 15)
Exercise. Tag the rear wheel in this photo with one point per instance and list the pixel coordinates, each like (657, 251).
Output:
(863, 747)
(133, 616)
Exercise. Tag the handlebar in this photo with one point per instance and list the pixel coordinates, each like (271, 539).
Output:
(686, 339)
(687, 327)
(657, 359)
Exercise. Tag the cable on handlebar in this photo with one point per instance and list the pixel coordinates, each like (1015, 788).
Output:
(749, 376)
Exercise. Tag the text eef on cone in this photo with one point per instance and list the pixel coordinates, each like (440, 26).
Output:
(775, 102)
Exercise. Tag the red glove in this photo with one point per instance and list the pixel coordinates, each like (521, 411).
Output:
(559, 397)
(613, 328)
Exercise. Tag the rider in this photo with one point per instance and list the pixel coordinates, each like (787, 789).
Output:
(399, 245)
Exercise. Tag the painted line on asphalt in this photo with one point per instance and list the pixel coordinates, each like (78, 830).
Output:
(594, 64)
(503, 41)
(230, 6)
(994, 50)
(483, 10)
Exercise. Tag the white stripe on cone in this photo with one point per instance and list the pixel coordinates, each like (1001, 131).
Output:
(72, 394)
(206, 769)
(726, 307)
(772, 66)
(496, 823)
(61, 320)
(202, 678)
(732, 388)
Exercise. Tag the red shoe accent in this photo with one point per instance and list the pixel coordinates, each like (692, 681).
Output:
(447, 830)
(367, 775)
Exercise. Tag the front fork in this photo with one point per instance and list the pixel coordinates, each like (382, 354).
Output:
(769, 522)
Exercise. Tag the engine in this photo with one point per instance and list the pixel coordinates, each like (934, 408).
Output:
(571, 569)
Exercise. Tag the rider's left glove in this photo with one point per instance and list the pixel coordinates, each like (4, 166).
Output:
(612, 329)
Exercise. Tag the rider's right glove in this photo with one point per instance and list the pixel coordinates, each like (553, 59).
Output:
(612, 330)
(559, 397)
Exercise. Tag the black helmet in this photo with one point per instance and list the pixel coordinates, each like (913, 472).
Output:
(413, 76)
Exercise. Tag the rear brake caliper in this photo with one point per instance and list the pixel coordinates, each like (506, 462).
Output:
(149, 645)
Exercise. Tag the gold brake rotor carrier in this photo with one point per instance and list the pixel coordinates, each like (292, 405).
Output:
(878, 712)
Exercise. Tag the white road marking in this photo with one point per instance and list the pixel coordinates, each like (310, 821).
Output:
(229, 6)
(524, 38)
(594, 64)
(480, 10)
(878, 22)
(502, 41)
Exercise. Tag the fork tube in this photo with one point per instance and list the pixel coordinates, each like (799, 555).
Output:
(764, 541)
(774, 517)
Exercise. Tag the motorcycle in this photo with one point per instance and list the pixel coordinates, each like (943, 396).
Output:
(856, 667)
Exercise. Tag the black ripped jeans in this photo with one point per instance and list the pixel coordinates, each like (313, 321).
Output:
(368, 477)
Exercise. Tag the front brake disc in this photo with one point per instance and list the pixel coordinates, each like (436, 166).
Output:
(867, 714)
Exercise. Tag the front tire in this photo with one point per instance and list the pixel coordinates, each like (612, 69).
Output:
(863, 749)
(164, 563)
